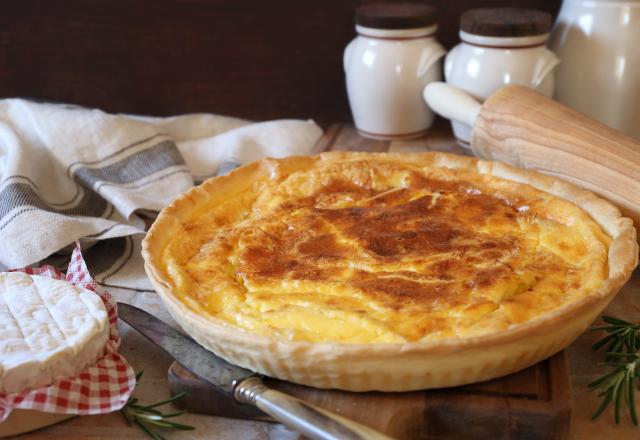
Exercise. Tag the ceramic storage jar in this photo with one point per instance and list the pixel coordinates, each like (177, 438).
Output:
(500, 46)
(388, 64)
(598, 42)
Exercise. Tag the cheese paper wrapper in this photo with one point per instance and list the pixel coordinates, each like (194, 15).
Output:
(101, 388)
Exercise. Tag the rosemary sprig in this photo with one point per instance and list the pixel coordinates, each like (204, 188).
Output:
(618, 385)
(147, 417)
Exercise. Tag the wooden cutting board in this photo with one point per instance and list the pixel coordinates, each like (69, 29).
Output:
(24, 420)
(532, 404)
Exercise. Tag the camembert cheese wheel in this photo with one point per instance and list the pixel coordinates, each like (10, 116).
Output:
(49, 330)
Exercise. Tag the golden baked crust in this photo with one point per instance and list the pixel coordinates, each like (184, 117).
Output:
(385, 254)
(378, 250)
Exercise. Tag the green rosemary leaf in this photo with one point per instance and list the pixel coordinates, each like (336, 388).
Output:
(146, 416)
(609, 328)
(175, 414)
(149, 432)
(169, 400)
(126, 416)
(623, 355)
(598, 345)
(628, 342)
(621, 345)
(631, 401)
(607, 377)
(614, 320)
(617, 346)
(145, 410)
(158, 423)
(603, 405)
(618, 395)
(181, 427)
(616, 364)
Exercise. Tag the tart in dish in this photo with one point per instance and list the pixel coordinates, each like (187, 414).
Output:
(391, 272)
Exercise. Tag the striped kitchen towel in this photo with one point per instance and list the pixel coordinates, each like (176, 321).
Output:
(70, 173)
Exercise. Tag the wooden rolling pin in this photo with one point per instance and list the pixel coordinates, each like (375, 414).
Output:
(520, 126)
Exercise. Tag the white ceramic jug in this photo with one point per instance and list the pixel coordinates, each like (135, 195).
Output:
(500, 46)
(598, 42)
(387, 66)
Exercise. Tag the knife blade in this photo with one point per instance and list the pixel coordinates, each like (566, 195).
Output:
(191, 355)
(244, 385)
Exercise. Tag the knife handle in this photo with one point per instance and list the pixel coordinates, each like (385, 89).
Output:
(452, 103)
(311, 421)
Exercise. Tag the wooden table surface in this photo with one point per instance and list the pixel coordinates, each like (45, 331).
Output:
(153, 387)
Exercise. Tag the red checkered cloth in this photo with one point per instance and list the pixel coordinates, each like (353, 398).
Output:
(101, 388)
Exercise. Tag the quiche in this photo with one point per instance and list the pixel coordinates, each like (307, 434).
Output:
(364, 271)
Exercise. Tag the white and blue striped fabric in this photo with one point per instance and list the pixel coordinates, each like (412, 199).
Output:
(69, 173)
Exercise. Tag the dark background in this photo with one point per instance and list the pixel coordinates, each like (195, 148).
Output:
(255, 59)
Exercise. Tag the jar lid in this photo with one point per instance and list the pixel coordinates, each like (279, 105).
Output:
(395, 15)
(505, 22)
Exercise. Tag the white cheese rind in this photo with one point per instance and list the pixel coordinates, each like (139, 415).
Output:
(49, 330)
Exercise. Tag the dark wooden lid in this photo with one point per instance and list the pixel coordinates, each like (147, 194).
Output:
(395, 15)
(505, 22)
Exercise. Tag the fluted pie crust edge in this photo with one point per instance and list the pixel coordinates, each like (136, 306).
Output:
(407, 366)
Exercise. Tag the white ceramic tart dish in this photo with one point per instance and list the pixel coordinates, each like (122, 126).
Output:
(49, 330)
(392, 272)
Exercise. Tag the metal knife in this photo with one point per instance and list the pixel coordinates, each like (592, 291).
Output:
(243, 385)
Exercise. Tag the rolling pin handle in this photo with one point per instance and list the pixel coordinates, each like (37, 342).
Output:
(452, 103)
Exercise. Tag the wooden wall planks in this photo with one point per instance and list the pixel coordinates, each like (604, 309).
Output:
(249, 58)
